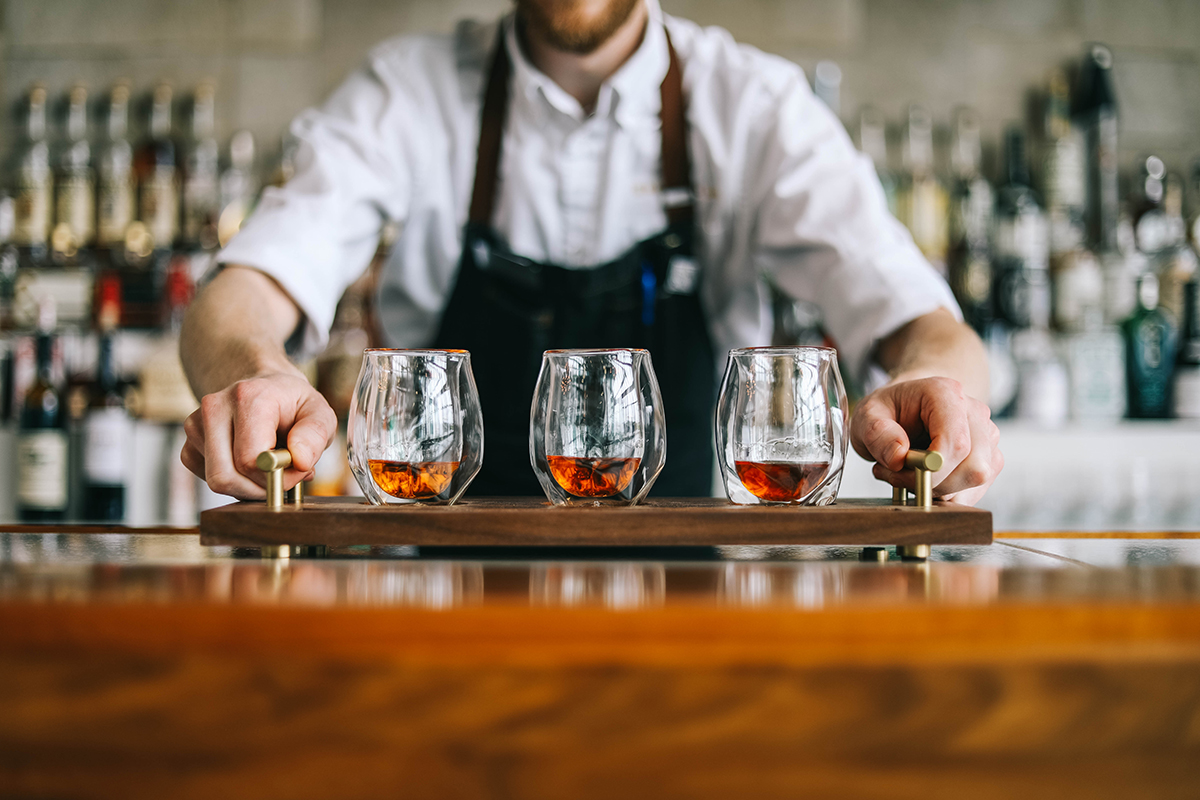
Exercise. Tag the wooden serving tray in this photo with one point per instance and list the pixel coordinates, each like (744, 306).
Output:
(343, 521)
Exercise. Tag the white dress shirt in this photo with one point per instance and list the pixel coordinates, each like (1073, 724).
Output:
(781, 189)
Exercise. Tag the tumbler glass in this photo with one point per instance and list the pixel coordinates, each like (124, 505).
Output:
(596, 431)
(415, 431)
(781, 426)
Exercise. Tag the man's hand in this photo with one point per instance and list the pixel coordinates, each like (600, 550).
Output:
(934, 414)
(232, 426)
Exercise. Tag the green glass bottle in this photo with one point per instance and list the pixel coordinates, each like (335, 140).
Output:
(1151, 339)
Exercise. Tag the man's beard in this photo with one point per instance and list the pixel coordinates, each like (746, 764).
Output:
(574, 26)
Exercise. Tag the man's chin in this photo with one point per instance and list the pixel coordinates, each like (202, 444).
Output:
(572, 26)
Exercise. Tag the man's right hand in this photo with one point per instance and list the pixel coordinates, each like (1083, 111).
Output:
(232, 426)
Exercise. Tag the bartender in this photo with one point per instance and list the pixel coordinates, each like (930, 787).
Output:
(583, 173)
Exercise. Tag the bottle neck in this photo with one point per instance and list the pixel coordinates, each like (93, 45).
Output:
(118, 120)
(160, 120)
(35, 123)
(106, 371)
(45, 356)
(77, 118)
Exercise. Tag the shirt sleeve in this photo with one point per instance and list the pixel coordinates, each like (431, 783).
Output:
(317, 235)
(825, 234)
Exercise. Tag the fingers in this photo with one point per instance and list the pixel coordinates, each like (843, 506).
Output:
(314, 428)
(878, 437)
(232, 427)
(958, 427)
(192, 454)
(945, 410)
(256, 424)
(217, 418)
(967, 483)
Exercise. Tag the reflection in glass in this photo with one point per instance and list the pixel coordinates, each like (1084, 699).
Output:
(781, 426)
(596, 432)
(415, 430)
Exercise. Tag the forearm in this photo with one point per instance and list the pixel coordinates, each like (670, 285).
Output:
(937, 345)
(236, 329)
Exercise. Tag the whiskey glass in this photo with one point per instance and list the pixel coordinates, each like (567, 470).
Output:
(597, 435)
(415, 433)
(781, 426)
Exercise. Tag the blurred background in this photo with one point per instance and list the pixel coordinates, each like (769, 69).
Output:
(1042, 152)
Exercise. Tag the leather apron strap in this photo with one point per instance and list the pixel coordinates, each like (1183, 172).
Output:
(676, 171)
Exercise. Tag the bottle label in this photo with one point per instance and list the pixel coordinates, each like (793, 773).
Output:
(1187, 392)
(106, 433)
(75, 208)
(32, 223)
(116, 210)
(160, 207)
(42, 470)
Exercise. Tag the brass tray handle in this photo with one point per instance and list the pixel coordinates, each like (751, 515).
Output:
(924, 463)
(274, 462)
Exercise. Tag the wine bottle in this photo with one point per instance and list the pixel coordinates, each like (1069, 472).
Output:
(42, 438)
(107, 430)
(157, 175)
(1020, 242)
(971, 206)
(75, 212)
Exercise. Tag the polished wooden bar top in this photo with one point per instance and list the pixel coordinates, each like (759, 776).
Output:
(142, 665)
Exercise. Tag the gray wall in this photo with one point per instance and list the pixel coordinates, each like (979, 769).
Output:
(271, 58)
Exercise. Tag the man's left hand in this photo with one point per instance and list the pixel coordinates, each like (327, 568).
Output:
(934, 414)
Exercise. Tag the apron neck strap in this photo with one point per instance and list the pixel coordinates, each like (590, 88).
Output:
(677, 194)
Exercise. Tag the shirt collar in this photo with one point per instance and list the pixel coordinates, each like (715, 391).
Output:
(632, 95)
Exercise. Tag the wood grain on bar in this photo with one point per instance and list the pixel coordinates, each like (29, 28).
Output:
(532, 521)
(202, 701)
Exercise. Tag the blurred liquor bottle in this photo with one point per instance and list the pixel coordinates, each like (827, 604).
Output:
(165, 393)
(1096, 369)
(116, 181)
(9, 261)
(922, 202)
(1187, 368)
(75, 210)
(872, 140)
(107, 434)
(827, 85)
(1020, 244)
(1150, 343)
(1194, 224)
(33, 182)
(1175, 262)
(1063, 169)
(971, 207)
(239, 187)
(157, 174)
(201, 174)
(1096, 115)
(285, 164)
(42, 494)
(1149, 218)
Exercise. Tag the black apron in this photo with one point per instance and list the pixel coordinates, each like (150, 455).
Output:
(506, 310)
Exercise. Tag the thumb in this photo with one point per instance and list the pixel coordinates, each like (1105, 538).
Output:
(310, 434)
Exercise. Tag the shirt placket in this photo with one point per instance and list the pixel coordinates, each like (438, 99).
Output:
(581, 186)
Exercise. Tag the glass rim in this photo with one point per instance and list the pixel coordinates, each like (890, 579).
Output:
(587, 351)
(782, 350)
(416, 351)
